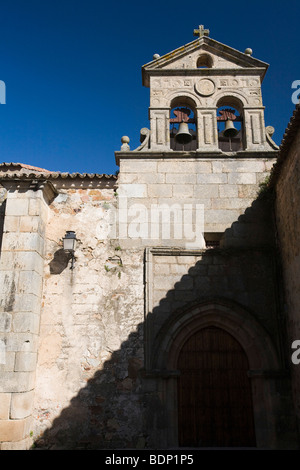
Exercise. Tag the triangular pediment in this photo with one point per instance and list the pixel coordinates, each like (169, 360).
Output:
(222, 57)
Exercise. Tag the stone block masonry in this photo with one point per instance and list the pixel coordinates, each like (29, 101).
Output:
(91, 341)
(21, 274)
(226, 187)
(288, 224)
(176, 278)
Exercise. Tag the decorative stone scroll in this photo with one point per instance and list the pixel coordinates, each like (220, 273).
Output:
(144, 139)
(269, 132)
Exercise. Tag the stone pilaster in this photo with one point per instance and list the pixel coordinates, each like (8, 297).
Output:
(255, 129)
(159, 124)
(207, 130)
(21, 275)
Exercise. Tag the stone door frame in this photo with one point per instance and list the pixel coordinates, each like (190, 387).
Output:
(263, 362)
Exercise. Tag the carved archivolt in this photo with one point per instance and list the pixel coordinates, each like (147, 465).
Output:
(181, 94)
(227, 96)
(227, 315)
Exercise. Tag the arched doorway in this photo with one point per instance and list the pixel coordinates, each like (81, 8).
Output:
(264, 364)
(214, 392)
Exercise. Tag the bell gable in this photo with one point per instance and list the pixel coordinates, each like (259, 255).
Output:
(203, 56)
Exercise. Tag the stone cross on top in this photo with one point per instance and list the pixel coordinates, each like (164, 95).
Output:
(201, 31)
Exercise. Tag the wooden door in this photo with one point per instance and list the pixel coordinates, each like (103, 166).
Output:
(214, 392)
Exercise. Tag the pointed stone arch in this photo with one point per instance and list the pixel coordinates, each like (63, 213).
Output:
(264, 362)
(224, 314)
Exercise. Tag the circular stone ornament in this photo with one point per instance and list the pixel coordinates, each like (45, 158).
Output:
(205, 87)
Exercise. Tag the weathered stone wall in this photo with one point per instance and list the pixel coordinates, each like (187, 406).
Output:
(91, 344)
(90, 387)
(288, 224)
(21, 273)
(3, 194)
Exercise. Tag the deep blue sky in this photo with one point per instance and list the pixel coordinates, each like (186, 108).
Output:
(72, 70)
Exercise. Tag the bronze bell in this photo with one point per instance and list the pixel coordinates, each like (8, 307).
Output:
(183, 135)
(230, 131)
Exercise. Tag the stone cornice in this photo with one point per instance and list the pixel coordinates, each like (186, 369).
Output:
(171, 155)
(258, 71)
(46, 187)
(206, 44)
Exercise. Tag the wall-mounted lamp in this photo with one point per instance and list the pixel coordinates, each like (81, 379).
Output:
(69, 245)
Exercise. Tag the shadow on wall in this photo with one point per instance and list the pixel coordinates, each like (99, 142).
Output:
(108, 412)
(118, 409)
(2, 214)
(60, 261)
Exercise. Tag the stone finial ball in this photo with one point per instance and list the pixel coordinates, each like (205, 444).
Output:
(156, 56)
(125, 139)
(248, 51)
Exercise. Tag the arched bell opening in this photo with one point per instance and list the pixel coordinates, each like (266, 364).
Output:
(183, 133)
(231, 136)
(204, 61)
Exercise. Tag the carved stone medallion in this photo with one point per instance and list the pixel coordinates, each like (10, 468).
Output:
(205, 87)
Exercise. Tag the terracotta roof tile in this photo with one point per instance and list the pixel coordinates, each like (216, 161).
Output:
(286, 143)
(290, 132)
(20, 170)
(23, 165)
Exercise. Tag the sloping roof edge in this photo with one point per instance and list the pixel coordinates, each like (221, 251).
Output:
(8, 170)
(286, 143)
(24, 166)
(158, 65)
(290, 133)
(197, 43)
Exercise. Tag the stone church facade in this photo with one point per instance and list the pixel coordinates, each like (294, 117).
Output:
(171, 324)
